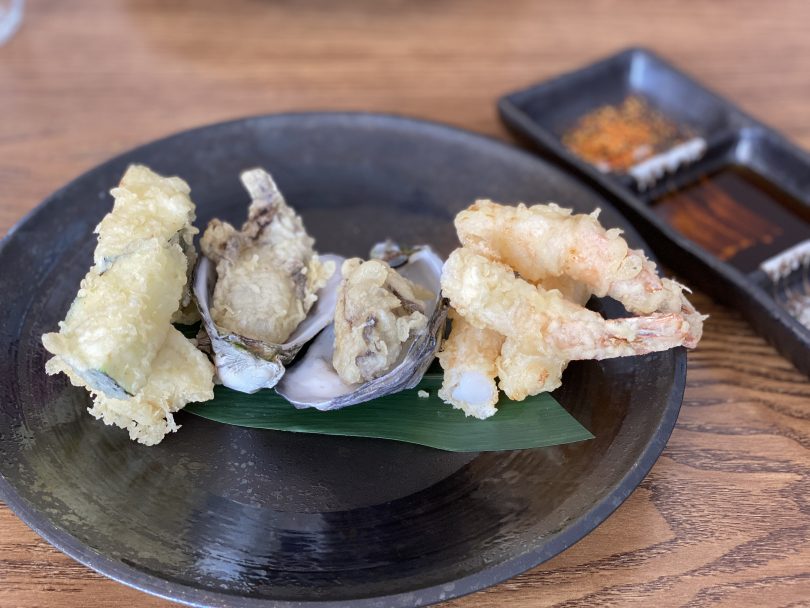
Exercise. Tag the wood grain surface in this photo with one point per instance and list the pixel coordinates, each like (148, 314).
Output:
(724, 517)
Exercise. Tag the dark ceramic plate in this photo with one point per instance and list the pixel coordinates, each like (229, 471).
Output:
(219, 515)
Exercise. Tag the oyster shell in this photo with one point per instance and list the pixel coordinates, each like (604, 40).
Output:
(313, 380)
(245, 364)
(269, 293)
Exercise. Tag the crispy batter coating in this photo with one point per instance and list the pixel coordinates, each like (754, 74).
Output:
(180, 374)
(524, 369)
(148, 205)
(377, 311)
(469, 360)
(574, 291)
(268, 274)
(523, 275)
(139, 281)
(118, 321)
(489, 295)
(116, 340)
(544, 241)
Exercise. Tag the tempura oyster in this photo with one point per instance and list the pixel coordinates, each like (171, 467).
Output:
(262, 291)
(388, 325)
(268, 274)
(377, 311)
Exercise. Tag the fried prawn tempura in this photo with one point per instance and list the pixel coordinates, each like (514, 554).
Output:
(545, 241)
(469, 358)
(488, 294)
(525, 273)
(525, 369)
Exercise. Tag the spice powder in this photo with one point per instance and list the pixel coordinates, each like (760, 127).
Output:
(615, 138)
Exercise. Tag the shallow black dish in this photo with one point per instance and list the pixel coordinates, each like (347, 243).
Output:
(220, 515)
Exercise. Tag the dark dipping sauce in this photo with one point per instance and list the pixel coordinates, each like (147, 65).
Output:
(736, 215)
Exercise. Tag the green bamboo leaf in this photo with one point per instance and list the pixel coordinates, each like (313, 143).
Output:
(536, 422)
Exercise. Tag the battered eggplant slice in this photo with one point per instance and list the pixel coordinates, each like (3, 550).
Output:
(117, 340)
(268, 274)
(118, 321)
(180, 374)
(377, 311)
(146, 206)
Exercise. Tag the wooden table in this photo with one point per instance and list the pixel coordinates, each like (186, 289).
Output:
(724, 517)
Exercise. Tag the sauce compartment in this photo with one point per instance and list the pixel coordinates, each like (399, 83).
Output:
(745, 203)
(551, 110)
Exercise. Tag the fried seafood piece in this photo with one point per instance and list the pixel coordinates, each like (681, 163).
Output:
(489, 295)
(119, 319)
(268, 274)
(148, 205)
(377, 311)
(572, 290)
(180, 374)
(545, 241)
(525, 273)
(469, 359)
(525, 368)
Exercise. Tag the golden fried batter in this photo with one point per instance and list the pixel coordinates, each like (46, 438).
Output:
(180, 374)
(545, 241)
(116, 340)
(525, 370)
(469, 360)
(268, 274)
(488, 294)
(377, 311)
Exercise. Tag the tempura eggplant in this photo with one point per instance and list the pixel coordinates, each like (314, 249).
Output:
(117, 340)
(180, 374)
(119, 319)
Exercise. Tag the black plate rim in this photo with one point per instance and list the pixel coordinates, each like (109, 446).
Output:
(492, 575)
